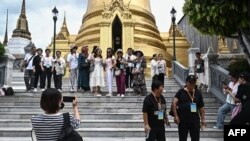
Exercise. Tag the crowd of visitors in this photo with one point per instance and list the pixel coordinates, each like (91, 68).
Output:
(92, 71)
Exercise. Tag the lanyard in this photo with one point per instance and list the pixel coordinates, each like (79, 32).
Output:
(192, 97)
(158, 102)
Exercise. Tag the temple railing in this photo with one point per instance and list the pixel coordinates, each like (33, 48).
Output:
(179, 72)
(218, 74)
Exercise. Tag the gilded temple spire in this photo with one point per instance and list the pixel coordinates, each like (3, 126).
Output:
(22, 29)
(6, 32)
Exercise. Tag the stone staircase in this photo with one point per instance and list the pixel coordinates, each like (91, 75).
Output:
(103, 118)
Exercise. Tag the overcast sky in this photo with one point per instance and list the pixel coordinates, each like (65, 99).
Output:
(40, 20)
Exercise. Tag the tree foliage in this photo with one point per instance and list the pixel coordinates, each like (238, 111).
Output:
(218, 17)
(239, 66)
(2, 50)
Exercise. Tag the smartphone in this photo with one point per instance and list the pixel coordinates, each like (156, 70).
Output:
(68, 98)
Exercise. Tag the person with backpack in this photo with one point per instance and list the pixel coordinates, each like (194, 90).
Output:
(49, 126)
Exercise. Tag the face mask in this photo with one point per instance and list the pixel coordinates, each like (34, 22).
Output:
(62, 106)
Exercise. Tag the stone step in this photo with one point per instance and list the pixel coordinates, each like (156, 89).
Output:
(89, 109)
(94, 116)
(119, 104)
(95, 123)
(109, 139)
(110, 132)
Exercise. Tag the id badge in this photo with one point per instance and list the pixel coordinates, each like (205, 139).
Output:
(198, 66)
(160, 115)
(193, 107)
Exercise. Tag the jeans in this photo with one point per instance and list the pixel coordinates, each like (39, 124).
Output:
(222, 112)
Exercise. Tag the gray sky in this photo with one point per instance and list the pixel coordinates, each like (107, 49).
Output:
(40, 20)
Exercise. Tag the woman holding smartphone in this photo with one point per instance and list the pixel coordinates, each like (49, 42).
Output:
(49, 125)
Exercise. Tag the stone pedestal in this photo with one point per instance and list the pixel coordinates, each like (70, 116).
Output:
(6, 67)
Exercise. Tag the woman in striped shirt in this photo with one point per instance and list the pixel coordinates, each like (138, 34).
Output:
(48, 126)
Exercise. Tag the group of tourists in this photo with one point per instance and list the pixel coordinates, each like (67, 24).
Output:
(42, 67)
(237, 100)
(92, 71)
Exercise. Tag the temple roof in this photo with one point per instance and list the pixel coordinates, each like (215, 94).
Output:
(64, 33)
(22, 29)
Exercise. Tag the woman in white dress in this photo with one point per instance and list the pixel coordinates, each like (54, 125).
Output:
(97, 76)
(110, 63)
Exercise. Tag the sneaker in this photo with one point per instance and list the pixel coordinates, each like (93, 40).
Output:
(98, 95)
(59, 90)
(43, 90)
(118, 95)
(109, 95)
(71, 90)
(122, 95)
(215, 127)
(35, 90)
(127, 89)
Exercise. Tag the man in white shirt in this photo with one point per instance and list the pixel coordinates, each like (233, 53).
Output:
(29, 76)
(72, 60)
(130, 65)
(230, 103)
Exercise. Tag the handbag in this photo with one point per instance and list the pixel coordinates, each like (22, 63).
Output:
(68, 133)
(117, 72)
(236, 111)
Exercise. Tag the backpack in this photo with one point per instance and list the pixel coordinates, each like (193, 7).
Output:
(8, 91)
(68, 133)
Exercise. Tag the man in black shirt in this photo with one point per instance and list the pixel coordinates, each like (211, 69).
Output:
(37, 68)
(189, 101)
(199, 69)
(154, 113)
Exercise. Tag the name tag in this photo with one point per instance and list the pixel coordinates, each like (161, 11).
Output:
(193, 107)
(160, 115)
(198, 66)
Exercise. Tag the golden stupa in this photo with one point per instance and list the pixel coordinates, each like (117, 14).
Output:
(122, 24)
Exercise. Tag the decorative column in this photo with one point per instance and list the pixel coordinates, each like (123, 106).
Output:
(105, 35)
(6, 67)
(210, 58)
(128, 35)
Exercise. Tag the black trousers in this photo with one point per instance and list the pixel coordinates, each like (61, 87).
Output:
(192, 127)
(58, 81)
(37, 75)
(156, 135)
(46, 74)
(241, 118)
(155, 78)
(161, 78)
(129, 77)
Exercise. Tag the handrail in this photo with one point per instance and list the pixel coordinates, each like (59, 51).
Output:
(218, 74)
(180, 72)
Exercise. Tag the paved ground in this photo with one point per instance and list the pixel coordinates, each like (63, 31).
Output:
(111, 139)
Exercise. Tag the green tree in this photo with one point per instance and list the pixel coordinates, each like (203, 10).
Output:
(2, 50)
(228, 18)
